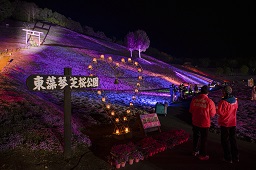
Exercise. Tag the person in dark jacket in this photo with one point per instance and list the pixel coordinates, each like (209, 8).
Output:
(202, 109)
(227, 109)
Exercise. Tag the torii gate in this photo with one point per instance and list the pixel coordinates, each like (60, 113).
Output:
(35, 33)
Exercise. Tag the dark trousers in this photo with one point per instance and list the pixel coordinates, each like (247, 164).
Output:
(228, 142)
(200, 136)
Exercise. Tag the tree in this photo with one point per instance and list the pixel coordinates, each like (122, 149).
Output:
(25, 11)
(244, 69)
(130, 42)
(5, 9)
(142, 41)
(252, 65)
(204, 62)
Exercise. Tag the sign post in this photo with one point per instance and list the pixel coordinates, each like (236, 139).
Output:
(66, 83)
(67, 117)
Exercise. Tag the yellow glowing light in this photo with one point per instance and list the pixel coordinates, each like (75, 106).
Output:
(117, 120)
(112, 113)
(125, 118)
(90, 67)
(110, 59)
(102, 56)
(136, 63)
(91, 74)
(129, 60)
(108, 106)
(117, 131)
(123, 60)
(140, 77)
(103, 99)
(138, 84)
(99, 92)
(117, 64)
(128, 111)
(131, 104)
(94, 60)
(126, 130)
(139, 70)
(136, 90)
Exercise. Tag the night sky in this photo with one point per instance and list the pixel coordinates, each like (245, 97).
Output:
(180, 28)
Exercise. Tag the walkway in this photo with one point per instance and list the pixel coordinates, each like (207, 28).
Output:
(180, 156)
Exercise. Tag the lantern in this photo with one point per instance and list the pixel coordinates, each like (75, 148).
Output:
(99, 92)
(112, 113)
(136, 63)
(126, 129)
(123, 60)
(129, 60)
(125, 118)
(140, 77)
(90, 67)
(108, 106)
(117, 131)
(102, 56)
(94, 60)
(117, 120)
(103, 99)
(128, 111)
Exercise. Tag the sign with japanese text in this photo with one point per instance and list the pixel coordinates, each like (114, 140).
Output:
(150, 120)
(55, 82)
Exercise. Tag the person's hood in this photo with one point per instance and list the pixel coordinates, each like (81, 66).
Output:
(230, 99)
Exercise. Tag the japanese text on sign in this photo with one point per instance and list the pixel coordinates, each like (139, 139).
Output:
(150, 120)
(48, 82)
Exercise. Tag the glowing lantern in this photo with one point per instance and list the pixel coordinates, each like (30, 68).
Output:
(90, 67)
(91, 74)
(94, 60)
(102, 56)
(117, 64)
(112, 113)
(110, 59)
(117, 131)
(103, 99)
(136, 63)
(123, 60)
(117, 120)
(140, 77)
(131, 104)
(133, 97)
(128, 111)
(138, 84)
(125, 118)
(139, 70)
(126, 130)
(129, 60)
(136, 90)
(99, 92)
(108, 106)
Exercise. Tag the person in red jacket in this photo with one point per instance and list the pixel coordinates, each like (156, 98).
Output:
(226, 111)
(202, 109)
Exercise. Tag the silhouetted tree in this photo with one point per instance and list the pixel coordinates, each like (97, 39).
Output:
(25, 11)
(6, 9)
(204, 62)
(244, 69)
(142, 41)
(252, 65)
(130, 42)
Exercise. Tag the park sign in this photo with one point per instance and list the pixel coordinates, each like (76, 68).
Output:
(60, 82)
(67, 83)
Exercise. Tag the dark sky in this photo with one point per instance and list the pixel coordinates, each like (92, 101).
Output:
(210, 28)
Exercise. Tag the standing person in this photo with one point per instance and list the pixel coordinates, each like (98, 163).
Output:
(253, 93)
(202, 109)
(226, 111)
(195, 89)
